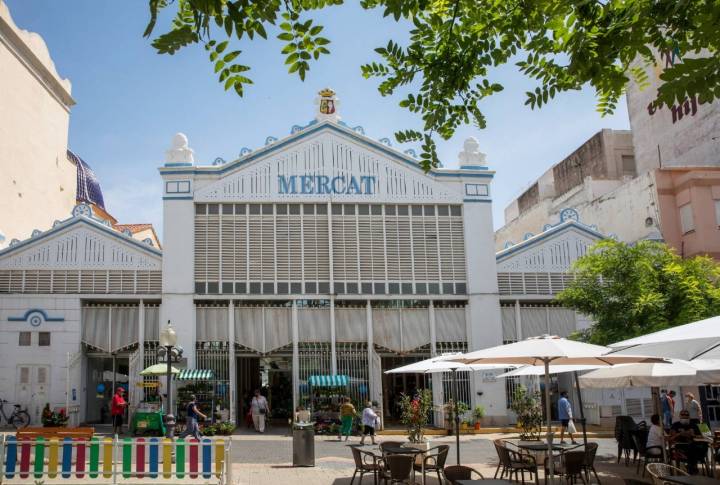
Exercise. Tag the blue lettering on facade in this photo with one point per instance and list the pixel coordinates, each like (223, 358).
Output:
(322, 184)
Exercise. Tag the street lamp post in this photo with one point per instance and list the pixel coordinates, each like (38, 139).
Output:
(168, 340)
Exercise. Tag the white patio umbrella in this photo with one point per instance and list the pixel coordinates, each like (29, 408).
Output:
(696, 340)
(444, 364)
(547, 350)
(674, 373)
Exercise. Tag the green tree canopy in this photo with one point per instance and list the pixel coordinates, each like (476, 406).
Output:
(632, 290)
(447, 67)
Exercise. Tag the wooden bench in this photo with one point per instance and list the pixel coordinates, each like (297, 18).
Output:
(58, 432)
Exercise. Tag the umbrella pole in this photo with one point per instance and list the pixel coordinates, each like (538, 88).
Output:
(582, 411)
(457, 416)
(548, 416)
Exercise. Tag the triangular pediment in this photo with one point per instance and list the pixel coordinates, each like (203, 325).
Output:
(321, 163)
(554, 250)
(81, 243)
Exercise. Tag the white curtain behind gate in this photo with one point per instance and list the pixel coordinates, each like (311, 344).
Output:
(314, 324)
(415, 328)
(124, 326)
(96, 327)
(351, 324)
(152, 323)
(386, 328)
(249, 327)
(534, 321)
(211, 323)
(508, 323)
(278, 327)
(450, 325)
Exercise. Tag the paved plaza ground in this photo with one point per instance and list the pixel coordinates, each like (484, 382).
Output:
(267, 459)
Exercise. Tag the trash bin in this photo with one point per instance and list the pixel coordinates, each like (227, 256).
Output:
(303, 444)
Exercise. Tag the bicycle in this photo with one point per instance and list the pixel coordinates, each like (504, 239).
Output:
(19, 417)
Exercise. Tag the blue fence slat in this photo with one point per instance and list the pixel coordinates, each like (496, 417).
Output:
(153, 457)
(206, 457)
(67, 450)
(11, 457)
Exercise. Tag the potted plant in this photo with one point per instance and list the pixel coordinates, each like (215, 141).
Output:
(450, 413)
(478, 414)
(52, 419)
(528, 409)
(415, 414)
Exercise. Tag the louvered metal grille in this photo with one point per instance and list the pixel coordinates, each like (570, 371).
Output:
(286, 248)
(533, 283)
(86, 282)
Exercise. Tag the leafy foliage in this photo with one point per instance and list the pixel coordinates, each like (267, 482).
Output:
(415, 413)
(528, 408)
(633, 290)
(446, 68)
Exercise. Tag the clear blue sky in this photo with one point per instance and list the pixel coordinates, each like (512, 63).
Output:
(130, 101)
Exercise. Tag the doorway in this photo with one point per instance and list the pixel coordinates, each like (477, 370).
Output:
(104, 374)
(32, 389)
(395, 385)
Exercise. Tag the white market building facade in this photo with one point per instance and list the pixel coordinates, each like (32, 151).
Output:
(325, 252)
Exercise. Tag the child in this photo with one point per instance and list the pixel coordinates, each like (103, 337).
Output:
(369, 420)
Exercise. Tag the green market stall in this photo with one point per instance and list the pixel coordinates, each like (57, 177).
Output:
(325, 392)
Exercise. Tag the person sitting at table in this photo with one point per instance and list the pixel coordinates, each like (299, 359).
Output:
(656, 437)
(682, 439)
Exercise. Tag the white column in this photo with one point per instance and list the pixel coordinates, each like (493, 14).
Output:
(368, 321)
(231, 360)
(333, 349)
(141, 334)
(437, 377)
(295, 357)
(518, 321)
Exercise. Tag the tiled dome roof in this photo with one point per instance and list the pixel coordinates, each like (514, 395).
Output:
(88, 186)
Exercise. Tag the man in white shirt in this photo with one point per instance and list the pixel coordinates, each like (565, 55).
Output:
(693, 408)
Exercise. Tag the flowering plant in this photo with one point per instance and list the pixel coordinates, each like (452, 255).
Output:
(51, 418)
(416, 413)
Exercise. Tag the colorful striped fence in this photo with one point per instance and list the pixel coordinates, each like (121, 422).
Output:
(117, 459)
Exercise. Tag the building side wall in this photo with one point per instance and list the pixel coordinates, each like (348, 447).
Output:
(38, 182)
(682, 135)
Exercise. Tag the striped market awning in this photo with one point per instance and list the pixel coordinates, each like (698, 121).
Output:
(194, 375)
(328, 381)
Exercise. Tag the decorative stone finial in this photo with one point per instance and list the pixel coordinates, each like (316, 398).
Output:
(471, 154)
(327, 103)
(179, 153)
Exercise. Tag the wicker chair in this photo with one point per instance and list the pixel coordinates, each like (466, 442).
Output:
(365, 462)
(434, 461)
(454, 473)
(513, 462)
(589, 465)
(659, 470)
(398, 468)
(624, 427)
(390, 444)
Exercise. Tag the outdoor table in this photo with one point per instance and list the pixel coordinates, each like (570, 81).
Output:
(408, 450)
(543, 446)
(690, 479)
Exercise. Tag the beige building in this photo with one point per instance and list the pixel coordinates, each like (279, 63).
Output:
(599, 166)
(38, 180)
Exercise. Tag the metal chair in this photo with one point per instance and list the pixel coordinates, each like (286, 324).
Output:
(454, 473)
(434, 461)
(362, 465)
(659, 470)
(513, 462)
(389, 444)
(648, 454)
(398, 468)
(589, 465)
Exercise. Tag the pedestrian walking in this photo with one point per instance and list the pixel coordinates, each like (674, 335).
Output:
(117, 410)
(693, 408)
(565, 416)
(347, 415)
(260, 409)
(370, 421)
(191, 419)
